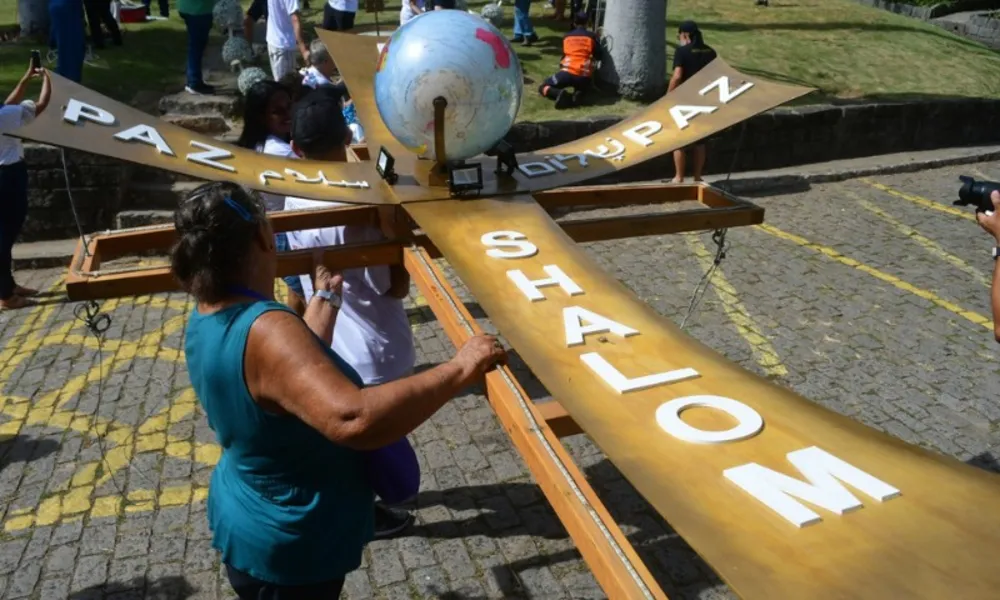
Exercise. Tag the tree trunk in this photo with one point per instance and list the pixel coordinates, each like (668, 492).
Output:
(635, 41)
(33, 17)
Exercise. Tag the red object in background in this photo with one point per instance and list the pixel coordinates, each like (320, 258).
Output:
(132, 15)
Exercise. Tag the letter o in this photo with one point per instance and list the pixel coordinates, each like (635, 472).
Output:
(668, 416)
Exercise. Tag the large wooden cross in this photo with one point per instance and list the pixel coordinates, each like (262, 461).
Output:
(782, 497)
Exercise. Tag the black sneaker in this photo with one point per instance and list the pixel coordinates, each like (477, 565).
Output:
(389, 522)
(530, 39)
(202, 89)
(564, 100)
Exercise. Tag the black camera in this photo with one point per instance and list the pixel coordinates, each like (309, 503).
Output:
(976, 192)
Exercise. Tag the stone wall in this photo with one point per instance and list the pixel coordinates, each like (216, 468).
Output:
(97, 185)
(985, 29)
(932, 12)
(790, 136)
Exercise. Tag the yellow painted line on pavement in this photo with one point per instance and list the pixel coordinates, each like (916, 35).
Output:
(928, 244)
(968, 315)
(78, 503)
(763, 352)
(921, 201)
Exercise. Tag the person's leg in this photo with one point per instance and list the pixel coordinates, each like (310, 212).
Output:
(248, 587)
(93, 11)
(522, 21)
(329, 17)
(518, 18)
(678, 165)
(70, 37)
(699, 161)
(348, 20)
(554, 88)
(198, 29)
(164, 8)
(13, 210)
(109, 21)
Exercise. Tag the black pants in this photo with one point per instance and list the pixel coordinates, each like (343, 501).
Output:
(13, 211)
(337, 20)
(98, 12)
(561, 80)
(164, 7)
(249, 588)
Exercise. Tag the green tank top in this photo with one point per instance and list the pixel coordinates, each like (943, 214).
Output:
(285, 504)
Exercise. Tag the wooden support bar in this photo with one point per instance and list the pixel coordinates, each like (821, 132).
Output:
(592, 230)
(607, 552)
(95, 285)
(118, 244)
(616, 195)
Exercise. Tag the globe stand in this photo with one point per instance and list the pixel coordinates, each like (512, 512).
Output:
(461, 177)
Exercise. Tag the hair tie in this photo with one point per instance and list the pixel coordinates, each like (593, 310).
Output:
(240, 210)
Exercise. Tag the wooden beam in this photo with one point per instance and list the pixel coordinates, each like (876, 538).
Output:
(118, 244)
(592, 230)
(617, 195)
(604, 548)
(95, 285)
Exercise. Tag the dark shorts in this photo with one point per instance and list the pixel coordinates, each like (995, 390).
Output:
(250, 588)
(337, 20)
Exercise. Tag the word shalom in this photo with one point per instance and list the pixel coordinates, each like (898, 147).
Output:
(641, 134)
(823, 471)
(209, 155)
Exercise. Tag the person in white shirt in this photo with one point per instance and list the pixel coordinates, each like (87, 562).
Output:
(372, 332)
(338, 15)
(410, 9)
(284, 36)
(267, 126)
(320, 73)
(14, 114)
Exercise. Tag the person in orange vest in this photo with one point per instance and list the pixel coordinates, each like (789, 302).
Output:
(581, 52)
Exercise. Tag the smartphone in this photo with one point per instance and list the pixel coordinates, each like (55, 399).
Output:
(36, 59)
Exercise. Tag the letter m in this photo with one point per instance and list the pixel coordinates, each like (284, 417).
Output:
(824, 473)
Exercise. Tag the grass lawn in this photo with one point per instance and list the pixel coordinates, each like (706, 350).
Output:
(846, 50)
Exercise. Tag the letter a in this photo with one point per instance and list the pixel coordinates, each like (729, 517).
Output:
(572, 316)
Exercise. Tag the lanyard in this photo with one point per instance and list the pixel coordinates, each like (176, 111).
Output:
(243, 291)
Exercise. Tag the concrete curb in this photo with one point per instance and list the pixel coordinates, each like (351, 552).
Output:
(55, 254)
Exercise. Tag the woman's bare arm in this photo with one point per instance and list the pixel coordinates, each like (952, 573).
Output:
(285, 365)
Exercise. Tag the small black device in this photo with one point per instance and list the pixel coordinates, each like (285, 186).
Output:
(977, 193)
(36, 59)
(464, 178)
(506, 158)
(385, 165)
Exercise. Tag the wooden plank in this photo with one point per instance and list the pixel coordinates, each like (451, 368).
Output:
(617, 195)
(591, 230)
(117, 244)
(730, 479)
(614, 562)
(95, 285)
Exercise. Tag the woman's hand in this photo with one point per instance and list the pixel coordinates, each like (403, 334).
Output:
(323, 278)
(480, 354)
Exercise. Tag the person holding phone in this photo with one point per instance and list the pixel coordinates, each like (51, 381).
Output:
(15, 113)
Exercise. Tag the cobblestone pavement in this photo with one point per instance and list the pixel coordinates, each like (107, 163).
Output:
(868, 297)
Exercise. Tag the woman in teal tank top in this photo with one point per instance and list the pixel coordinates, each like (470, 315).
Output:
(289, 503)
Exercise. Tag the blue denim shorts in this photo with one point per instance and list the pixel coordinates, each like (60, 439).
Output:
(292, 281)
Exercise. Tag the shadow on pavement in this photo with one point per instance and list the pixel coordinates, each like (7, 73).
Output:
(166, 588)
(18, 448)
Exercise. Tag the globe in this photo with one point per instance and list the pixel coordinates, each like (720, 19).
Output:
(464, 59)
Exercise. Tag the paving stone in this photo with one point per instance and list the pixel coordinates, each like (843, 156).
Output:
(23, 582)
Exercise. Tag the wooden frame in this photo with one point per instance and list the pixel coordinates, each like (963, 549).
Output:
(87, 280)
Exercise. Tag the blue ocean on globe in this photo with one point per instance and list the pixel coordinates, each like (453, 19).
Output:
(462, 58)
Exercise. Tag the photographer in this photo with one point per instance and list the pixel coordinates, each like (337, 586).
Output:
(991, 223)
(15, 113)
